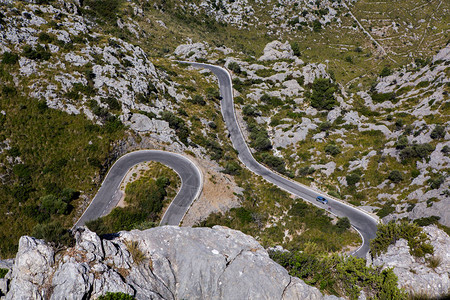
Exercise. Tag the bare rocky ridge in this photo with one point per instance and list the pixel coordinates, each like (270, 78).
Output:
(177, 263)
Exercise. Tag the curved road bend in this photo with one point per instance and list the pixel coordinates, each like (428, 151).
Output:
(365, 224)
(109, 194)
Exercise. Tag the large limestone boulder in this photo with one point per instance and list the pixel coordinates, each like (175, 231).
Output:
(160, 263)
(277, 50)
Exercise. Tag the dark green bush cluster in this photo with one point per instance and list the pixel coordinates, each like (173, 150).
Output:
(416, 151)
(306, 170)
(40, 53)
(232, 168)
(53, 233)
(198, 99)
(258, 135)
(112, 103)
(235, 67)
(177, 124)
(340, 276)
(380, 97)
(213, 94)
(296, 49)
(111, 122)
(316, 218)
(386, 71)
(388, 234)
(116, 296)
(395, 176)
(438, 132)
(3, 272)
(250, 111)
(322, 96)
(271, 101)
(427, 220)
(274, 162)
(436, 182)
(353, 178)
(386, 209)
(145, 201)
(239, 84)
(332, 149)
(9, 58)
(265, 72)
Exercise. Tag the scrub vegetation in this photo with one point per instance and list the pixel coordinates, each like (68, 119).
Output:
(144, 200)
(49, 159)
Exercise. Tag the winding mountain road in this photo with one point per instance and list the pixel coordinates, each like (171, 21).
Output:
(363, 222)
(109, 193)
(192, 182)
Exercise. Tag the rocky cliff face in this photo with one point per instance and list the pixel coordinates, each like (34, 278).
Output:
(159, 263)
(429, 275)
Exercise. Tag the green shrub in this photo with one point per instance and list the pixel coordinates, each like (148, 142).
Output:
(274, 162)
(380, 97)
(395, 176)
(232, 168)
(244, 215)
(332, 149)
(116, 296)
(353, 179)
(343, 224)
(271, 101)
(299, 209)
(388, 234)
(234, 66)
(340, 275)
(3, 272)
(40, 53)
(9, 58)
(438, 132)
(307, 170)
(197, 99)
(249, 110)
(317, 26)
(113, 103)
(177, 124)
(53, 233)
(435, 183)
(416, 151)
(322, 96)
(265, 72)
(385, 72)
(402, 142)
(44, 37)
(427, 220)
(296, 49)
(213, 94)
(386, 209)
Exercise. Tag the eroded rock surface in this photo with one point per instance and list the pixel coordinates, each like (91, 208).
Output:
(175, 263)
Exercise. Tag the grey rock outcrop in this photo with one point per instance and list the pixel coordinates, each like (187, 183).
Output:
(175, 263)
(277, 50)
(415, 274)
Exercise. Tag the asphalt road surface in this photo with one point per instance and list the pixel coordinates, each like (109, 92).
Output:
(109, 193)
(364, 223)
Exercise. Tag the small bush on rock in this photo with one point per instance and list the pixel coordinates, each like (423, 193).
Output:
(389, 234)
